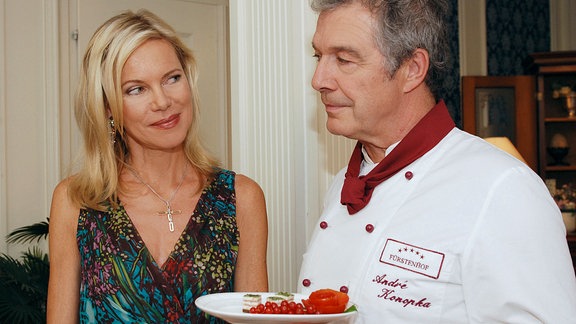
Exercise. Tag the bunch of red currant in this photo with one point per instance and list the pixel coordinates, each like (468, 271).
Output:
(285, 307)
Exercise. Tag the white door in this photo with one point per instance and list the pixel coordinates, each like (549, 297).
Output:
(202, 25)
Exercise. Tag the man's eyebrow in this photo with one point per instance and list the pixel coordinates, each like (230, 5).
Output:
(342, 49)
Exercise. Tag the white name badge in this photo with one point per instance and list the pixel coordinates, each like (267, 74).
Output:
(412, 258)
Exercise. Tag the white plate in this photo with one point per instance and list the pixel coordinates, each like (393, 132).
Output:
(228, 306)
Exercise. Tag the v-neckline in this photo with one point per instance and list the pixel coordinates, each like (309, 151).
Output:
(180, 237)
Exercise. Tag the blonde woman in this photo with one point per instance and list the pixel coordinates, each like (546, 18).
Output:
(150, 222)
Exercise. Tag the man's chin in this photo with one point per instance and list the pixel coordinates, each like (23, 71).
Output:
(336, 128)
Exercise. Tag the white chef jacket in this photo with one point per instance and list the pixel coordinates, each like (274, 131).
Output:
(465, 234)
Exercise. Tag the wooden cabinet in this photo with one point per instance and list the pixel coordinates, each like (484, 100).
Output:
(527, 110)
(556, 124)
(556, 128)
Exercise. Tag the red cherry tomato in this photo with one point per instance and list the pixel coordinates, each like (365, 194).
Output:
(323, 301)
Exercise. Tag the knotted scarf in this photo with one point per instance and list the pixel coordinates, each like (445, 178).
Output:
(432, 128)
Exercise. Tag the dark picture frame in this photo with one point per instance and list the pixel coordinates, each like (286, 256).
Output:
(495, 112)
(495, 106)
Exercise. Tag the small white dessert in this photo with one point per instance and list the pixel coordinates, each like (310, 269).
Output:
(279, 297)
(249, 301)
(285, 296)
(274, 299)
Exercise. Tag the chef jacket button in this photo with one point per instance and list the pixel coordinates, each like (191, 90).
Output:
(344, 289)
(369, 228)
(323, 225)
(306, 282)
(408, 175)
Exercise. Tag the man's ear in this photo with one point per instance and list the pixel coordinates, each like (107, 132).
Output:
(416, 68)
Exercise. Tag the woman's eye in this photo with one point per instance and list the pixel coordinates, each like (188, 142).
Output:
(173, 79)
(134, 91)
(341, 60)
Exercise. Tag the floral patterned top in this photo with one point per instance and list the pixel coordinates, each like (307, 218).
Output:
(121, 282)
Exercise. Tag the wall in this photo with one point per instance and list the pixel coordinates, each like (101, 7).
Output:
(473, 38)
(563, 26)
(278, 129)
(29, 114)
(515, 29)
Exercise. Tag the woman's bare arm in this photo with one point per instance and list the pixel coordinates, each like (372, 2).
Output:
(64, 283)
(251, 269)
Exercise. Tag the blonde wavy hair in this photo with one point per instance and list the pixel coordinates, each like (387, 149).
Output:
(99, 98)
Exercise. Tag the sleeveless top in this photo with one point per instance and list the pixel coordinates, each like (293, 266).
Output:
(121, 282)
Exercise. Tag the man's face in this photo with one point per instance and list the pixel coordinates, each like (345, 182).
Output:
(359, 96)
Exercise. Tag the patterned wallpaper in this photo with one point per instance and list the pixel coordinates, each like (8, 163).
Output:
(451, 88)
(515, 29)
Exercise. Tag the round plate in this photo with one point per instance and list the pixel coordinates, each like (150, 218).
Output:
(228, 306)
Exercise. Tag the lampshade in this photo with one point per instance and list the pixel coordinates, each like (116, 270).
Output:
(505, 145)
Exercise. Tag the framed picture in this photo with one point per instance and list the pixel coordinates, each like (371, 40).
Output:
(495, 112)
(494, 106)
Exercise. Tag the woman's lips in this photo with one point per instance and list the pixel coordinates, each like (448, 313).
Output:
(167, 123)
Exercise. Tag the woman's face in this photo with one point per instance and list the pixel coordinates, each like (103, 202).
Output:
(157, 98)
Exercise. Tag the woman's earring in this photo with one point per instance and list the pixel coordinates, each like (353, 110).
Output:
(112, 131)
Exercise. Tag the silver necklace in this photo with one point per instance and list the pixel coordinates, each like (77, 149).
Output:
(169, 211)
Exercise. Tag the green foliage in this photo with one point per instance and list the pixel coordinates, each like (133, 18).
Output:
(24, 281)
(28, 234)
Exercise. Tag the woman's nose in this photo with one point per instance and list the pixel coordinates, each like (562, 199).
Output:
(162, 100)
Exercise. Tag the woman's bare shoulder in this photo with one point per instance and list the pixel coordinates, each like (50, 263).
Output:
(246, 184)
(250, 201)
(248, 191)
(62, 186)
(62, 205)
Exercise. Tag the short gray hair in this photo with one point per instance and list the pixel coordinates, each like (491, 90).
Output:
(404, 26)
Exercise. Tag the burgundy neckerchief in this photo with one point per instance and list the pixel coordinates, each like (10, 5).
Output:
(432, 128)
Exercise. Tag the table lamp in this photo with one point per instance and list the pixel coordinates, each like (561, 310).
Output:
(505, 145)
